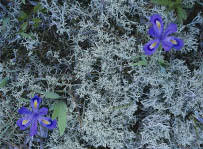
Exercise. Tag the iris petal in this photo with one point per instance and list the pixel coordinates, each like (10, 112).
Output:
(167, 44)
(151, 46)
(43, 111)
(24, 122)
(152, 32)
(177, 43)
(157, 23)
(48, 122)
(172, 28)
(35, 103)
(172, 42)
(24, 110)
(33, 128)
(52, 125)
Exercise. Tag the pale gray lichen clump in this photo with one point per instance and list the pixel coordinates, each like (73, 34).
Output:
(84, 51)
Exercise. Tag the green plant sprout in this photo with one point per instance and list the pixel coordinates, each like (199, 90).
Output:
(25, 18)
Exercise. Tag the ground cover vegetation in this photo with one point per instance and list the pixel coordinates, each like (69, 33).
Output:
(81, 72)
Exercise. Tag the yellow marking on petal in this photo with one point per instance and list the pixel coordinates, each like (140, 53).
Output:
(158, 24)
(46, 122)
(174, 41)
(25, 122)
(152, 45)
(35, 103)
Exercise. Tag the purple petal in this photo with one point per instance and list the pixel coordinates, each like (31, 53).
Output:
(35, 102)
(24, 122)
(167, 44)
(158, 25)
(33, 128)
(151, 46)
(48, 122)
(24, 110)
(151, 32)
(172, 42)
(43, 111)
(172, 28)
(177, 43)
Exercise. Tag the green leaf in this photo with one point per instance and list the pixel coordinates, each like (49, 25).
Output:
(38, 7)
(181, 14)
(122, 106)
(56, 109)
(36, 21)
(51, 95)
(22, 16)
(163, 63)
(25, 35)
(6, 21)
(4, 82)
(23, 1)
(24, 26)
(60, 112)
(140, 63)
(171, 5)
(179, 1)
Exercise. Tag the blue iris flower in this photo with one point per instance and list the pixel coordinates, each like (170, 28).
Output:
(161, 36)
(34, 117)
